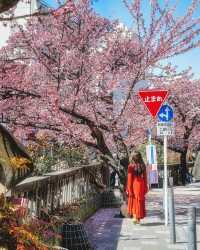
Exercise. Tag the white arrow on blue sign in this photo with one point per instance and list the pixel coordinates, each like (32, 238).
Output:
(166, 113)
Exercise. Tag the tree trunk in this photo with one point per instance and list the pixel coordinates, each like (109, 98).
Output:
(183, 166)
(106, 175)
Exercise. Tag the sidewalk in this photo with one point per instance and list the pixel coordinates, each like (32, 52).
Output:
(107, 232)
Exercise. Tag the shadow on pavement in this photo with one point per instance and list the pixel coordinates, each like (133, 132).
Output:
(184, 242)
(104, 228)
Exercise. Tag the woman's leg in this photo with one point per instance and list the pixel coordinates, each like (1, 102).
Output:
(139, 209)
(130, 206)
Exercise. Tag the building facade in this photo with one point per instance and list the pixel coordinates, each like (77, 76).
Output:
(22, 9)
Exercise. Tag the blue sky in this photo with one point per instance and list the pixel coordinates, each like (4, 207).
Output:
(115, 9)
(53, 3)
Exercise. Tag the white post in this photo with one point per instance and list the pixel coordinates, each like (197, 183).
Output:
(165, 181)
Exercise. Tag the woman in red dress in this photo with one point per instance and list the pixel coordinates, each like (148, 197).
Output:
(136, 187)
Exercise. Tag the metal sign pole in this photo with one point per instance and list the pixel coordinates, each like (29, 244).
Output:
(165, 181)
(148, 168)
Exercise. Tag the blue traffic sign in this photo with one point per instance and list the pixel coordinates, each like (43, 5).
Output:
(165, 114)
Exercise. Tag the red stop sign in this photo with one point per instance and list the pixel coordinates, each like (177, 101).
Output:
(153, 99)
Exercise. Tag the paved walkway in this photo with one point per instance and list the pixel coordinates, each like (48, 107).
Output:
(106, 231)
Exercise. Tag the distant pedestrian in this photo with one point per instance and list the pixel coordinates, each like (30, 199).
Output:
(136, 187)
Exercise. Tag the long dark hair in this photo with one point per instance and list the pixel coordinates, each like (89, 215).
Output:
(139, 165)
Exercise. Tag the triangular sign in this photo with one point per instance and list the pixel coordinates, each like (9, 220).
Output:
(153, 99)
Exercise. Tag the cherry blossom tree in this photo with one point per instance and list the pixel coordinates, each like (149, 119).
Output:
(65, 72)
(184, 95)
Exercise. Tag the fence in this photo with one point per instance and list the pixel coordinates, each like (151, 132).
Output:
(56, 190)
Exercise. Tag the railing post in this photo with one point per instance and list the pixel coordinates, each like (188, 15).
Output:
(192, 234)
(172, 216)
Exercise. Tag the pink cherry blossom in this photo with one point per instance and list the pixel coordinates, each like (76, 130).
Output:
(60, 73)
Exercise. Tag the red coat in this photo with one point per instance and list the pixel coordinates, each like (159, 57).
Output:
(136, 189)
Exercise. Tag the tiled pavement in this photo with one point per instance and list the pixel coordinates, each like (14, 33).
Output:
(107, 232)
